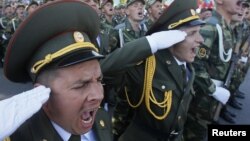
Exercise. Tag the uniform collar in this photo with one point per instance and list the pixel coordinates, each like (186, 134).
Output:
(180, 62)
(66, 135)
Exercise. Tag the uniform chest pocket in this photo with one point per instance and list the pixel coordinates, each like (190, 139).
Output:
(160, 86)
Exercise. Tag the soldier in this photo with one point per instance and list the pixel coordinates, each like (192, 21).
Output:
(126, 32)
(104, 49)
(212, 62)
(242, 30)
(242, 35)
(116, 18)
(63, 57)
(7, 15)
(19, 17)
(31, 7)
(4, 20)
(13, 24)
(154, 89)
(107, 16)
(154, 10)
(131, 28)
(246, 53)
(63, 54)
(122, 17)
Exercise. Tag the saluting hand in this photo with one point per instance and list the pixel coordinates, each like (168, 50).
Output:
(165, 39)
(15, 110)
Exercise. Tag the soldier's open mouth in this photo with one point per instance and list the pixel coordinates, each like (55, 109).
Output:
(140, 13)
(87, 116)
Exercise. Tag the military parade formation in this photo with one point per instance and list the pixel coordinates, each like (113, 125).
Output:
(148, 70)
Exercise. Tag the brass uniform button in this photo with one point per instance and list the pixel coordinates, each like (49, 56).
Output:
(102, 123)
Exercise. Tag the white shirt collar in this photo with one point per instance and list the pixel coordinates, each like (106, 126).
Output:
(180, 62)
(64, 134)
(89, 136)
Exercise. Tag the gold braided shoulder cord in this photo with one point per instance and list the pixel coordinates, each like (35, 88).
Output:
(148, 92)
(7, 139)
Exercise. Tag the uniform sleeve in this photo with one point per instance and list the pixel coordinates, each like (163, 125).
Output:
(123, 58)
(202, 78)
(209, 34)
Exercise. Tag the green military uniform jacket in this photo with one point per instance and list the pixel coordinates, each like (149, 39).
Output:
(208, 65)
(124, 33)
(148, 22)
(40, 128)
(106, 26)
(103, 40)
(167, 78)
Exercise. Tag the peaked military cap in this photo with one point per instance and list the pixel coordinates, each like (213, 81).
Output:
(59, 33)
(129, 2)
(176, 15)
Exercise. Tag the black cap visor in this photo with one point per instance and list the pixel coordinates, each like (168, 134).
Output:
(78, 57)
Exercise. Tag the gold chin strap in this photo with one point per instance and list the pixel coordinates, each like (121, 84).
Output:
(173, 25)
(148, 92)
(49, 57)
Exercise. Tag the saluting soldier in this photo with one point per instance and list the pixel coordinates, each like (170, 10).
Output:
(67, 48)
(157, 88)
(62, 56)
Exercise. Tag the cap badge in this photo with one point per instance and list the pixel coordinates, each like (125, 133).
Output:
(78, 37)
